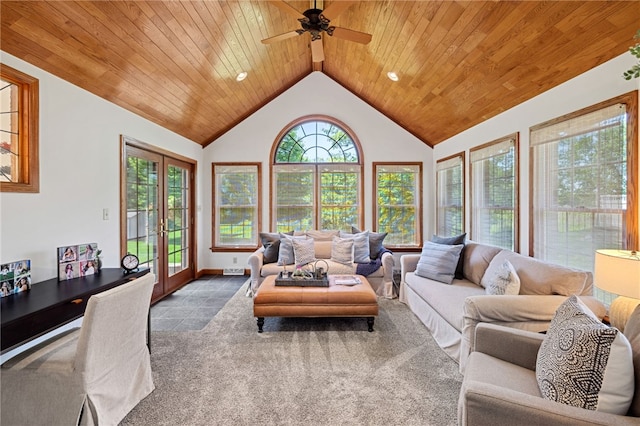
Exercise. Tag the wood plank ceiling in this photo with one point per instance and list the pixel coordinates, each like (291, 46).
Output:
(459, 62)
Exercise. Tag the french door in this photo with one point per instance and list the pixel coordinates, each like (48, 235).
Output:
(158, 215)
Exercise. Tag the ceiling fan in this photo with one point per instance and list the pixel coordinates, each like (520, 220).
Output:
(316, 21)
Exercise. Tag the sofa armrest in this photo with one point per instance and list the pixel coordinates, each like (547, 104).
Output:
(486, 404)
(255, 261)
(515, 346)
(408, 263)
(387, 279)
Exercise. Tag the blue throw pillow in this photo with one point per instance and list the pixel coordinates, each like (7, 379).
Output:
(360, 246)
(458, 239)
(438, 261)
(375, 242)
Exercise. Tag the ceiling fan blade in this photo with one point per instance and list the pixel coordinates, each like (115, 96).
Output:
(280, 37)
(286, 8)
(352, 35)
(317, 51)
(336, 8)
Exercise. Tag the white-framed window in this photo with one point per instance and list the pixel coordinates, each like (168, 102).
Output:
(584, 170)
(316, 176)
(494, 192)
(398, 198)
(19, 123)
(450, 195)
(236, 205)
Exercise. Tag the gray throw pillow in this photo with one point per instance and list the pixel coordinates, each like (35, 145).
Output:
(585, 363)
(438, 261)
(303, 251)
(285, 254)
(342, 250)
(375, 242)
(452, 241)
(271, 243)
(360, 246)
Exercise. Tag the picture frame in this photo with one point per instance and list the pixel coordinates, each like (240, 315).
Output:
(15, 277)
(79, 260)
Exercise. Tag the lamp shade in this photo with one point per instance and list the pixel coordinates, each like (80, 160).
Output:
(618, 272)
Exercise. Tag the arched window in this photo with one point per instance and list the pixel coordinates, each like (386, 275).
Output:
(316, 176)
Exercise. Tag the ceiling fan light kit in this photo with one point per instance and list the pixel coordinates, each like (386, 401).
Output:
(316, 21)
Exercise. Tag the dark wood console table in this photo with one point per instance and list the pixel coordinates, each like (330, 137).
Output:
(52, 303)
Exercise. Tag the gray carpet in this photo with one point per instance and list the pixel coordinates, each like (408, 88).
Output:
(300, 371)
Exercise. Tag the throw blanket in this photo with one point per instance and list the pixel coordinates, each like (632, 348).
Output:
(366, 269)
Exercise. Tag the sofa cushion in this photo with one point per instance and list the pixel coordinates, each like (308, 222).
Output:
(375, 242)
(285, 254)
(324, 235)
(303, 251)
(540, 277)
(585, 363)
(360, 246)
(458, 239)
(323, 249)
(446, 299)
(476, 259)
(503, 280)
(632, 332)
(342, 250)
(438, 261)
(332, 267)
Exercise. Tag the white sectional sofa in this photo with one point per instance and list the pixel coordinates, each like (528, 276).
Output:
(452, 311)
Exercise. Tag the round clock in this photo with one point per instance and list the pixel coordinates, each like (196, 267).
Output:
(130, 262)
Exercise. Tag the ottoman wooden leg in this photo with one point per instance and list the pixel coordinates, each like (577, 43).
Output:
(260, 324)
(370, 323)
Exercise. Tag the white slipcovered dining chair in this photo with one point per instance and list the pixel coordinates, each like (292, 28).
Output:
(92, 375)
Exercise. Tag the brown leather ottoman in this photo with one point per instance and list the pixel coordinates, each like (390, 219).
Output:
(334, 301)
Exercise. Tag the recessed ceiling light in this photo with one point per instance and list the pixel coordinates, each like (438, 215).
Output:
(392, 76)
(241, 76)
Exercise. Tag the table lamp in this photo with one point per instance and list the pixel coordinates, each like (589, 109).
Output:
(618, 272)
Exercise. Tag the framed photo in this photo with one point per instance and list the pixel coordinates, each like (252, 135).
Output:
(15, 277)
(76, 261)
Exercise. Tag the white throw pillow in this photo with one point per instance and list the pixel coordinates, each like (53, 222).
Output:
(585, 363)
(360, 246)
(504, 280)
(342, 250)
(438, 261)
(303, 251)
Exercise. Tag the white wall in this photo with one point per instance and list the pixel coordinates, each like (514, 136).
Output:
(381, 140)
(79, 175)
(599, 84)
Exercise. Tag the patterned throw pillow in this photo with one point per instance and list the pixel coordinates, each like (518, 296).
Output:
(438, 261)
(585, 363)
(505, 280)
(360, 246)
(303, 251)
(285, 254)
(342, 250)
(452, 241)
(375, 242)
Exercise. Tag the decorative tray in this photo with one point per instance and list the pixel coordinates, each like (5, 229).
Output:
(301, 282)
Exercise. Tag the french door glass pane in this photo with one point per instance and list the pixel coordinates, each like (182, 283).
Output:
(177, 223)
(143, 211)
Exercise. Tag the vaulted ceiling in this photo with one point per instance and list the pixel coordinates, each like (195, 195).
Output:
(458, 62)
